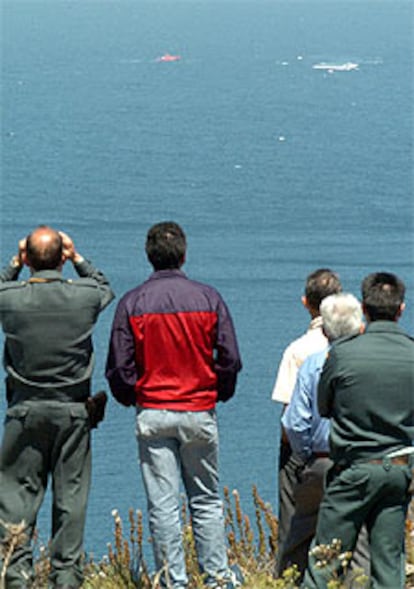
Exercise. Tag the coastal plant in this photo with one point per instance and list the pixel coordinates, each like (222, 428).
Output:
(253, 547)
(41, 566)
(124, 565)
(16, 535)
(409, 546)
(253, 554)
(328, 557)
(13, 537)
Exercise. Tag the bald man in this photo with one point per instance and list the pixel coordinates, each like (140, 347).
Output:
(48, 357)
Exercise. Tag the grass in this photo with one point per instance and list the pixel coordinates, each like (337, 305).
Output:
(252, 546)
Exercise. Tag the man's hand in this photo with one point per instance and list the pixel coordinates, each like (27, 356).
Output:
(22, 248)
(69, 251)
(20, 258)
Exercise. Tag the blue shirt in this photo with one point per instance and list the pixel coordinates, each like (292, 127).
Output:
(307, 431)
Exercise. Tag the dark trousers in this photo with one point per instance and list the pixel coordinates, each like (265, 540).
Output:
(40, 438)
(307, 496)
(290, 466)
(376, 495)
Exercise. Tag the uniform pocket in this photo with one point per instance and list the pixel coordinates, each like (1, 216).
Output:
(355, 475)
(356, 478)
(78, 411)
(16, 412)
(79, 417)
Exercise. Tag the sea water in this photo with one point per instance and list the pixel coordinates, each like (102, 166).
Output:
(273, 169)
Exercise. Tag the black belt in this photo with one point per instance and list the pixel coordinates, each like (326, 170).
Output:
(74, 394)
(386, 461)
(40, 398)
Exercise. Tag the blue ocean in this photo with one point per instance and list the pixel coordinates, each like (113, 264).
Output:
(273, 168)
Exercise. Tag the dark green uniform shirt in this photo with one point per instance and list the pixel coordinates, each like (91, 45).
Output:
(367, 389)
(48, 321)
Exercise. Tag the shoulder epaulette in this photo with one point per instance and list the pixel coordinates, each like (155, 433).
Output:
(84, 282)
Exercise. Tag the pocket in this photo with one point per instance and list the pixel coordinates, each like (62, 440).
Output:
(355, 475)
(17, 412)
(78, 415)
(146, 423)
(356, 479)
(78, 411)
(207, 425)
(352, 476)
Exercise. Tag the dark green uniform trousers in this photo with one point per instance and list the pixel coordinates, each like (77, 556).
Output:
(43, 437)
(376, 494)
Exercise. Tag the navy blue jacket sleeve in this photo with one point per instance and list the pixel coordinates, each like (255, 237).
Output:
(227, 362)
(121, 370)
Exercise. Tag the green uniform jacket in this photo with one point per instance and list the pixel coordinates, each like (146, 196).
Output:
(367, 389)
(48, 322)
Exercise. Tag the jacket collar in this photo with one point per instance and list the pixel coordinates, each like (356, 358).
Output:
(46, 275)
(169, 273)
(316, 323)
(382, 325)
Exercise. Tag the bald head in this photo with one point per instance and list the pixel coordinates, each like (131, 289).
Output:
(44, 249)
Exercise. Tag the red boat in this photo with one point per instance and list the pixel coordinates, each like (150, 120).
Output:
(169, 57)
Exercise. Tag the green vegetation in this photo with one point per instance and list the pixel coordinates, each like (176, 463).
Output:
(253, 548)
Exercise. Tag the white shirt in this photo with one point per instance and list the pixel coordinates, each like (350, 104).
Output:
(293, 357)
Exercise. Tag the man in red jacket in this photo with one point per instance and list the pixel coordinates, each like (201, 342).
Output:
(173, 353)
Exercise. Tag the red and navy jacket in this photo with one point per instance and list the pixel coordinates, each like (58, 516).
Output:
(173, 346)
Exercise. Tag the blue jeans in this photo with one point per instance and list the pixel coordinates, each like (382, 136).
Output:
(175, 446)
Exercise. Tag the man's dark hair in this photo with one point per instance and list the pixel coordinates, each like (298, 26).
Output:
(319, 285)
(166, 245)
(382, 295)
(44, 256)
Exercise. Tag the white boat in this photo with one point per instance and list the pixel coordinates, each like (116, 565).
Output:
(336, 67)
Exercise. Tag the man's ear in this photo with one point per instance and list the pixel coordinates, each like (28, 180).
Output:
(305, 302)
(365, 312)
(311, 310)
(400, 311)
(25, 261)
